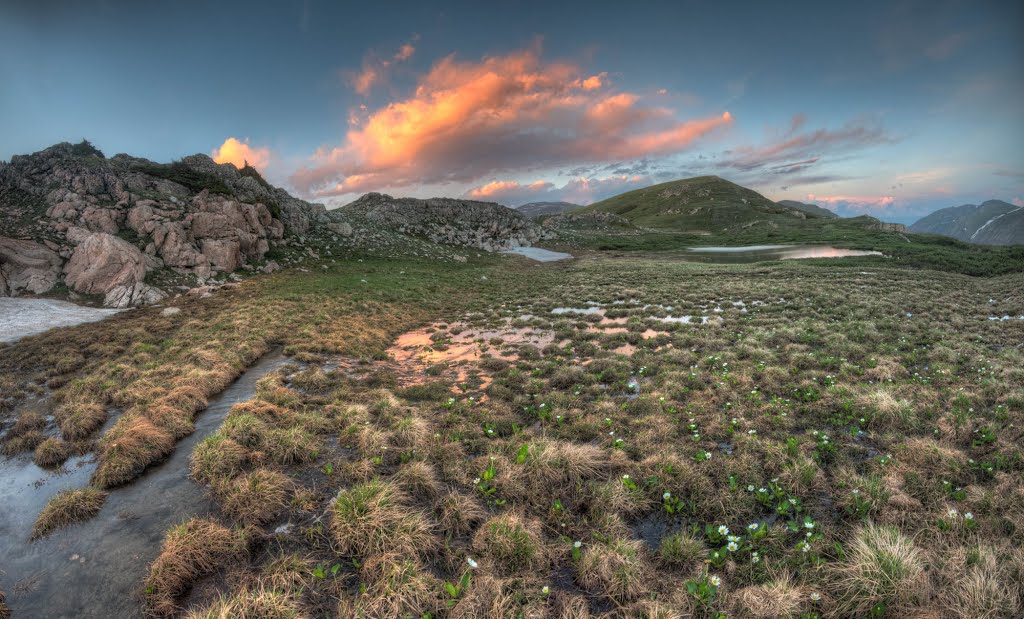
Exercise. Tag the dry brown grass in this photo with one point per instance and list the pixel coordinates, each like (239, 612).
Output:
(982, 583)
(374, 518)
(190, 550)
(616, 569)
(458, 514)
(79, 419)
(52, 452)
(128, 448)
(419, 480)
(880, 566)
(513, 544)
(397, 588)
(255, 602)
(68, 507)
(255, 497)
(217, 458)
(5, 611)
(778, 598)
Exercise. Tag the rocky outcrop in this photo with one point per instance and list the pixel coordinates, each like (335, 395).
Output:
(481, 225)
(193, 217)
(104, 264)
(26, 266)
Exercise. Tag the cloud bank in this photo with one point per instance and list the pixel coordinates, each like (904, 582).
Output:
(465, 121)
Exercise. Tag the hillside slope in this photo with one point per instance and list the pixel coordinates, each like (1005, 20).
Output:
(813, 209)
(538, 209)
(704, 204)
(993, 222)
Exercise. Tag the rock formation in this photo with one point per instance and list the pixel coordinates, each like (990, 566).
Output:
(115, 220)
(481, 225)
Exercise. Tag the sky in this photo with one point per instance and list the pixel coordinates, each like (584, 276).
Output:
(892, 109)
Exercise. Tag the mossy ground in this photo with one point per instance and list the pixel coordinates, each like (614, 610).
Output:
(840, 422)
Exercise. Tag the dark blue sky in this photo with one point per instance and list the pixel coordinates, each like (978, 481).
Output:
(890, 108)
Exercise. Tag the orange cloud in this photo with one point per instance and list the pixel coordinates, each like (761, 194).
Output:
(467, 120)
(364, 80)
(508, 190)
(405, 52)
(375, 69)
(238, 153)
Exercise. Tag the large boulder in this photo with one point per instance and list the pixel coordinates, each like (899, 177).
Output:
(103, 262)
(27, 266)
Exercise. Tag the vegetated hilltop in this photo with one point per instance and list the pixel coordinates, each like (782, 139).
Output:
(539, 209)
(813, 209)
(700, 205)
(127, 231)
(993, 222)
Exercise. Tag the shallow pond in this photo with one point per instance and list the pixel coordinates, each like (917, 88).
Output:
(96, 568)
(538, 254)
(760, 253)
(20, 317)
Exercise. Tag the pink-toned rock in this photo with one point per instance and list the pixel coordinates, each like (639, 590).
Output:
(101, 219)
(103, 262)
(224, 254)
(27, 266)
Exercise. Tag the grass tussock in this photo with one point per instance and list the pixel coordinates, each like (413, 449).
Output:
(881, 566)
(374, 518)
(52, 453)
(512, 544)
(257, 602)
(68, 507)
(255, 497)
(397, 588)
(189, 550)
(615, 569)
(80, 419)
(128, 448)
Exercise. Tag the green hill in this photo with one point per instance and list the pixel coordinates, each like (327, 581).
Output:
(700, 205)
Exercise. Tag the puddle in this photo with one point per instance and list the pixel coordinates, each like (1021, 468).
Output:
(760, 253)
(1006, 317)
(685, 320)
(591, 309)
(96, 568)
(538, 254)
(21, 317)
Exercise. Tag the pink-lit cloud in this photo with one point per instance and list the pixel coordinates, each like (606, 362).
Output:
(375, 69)
(580, 190)
(238, 152)
(855, 203)
(465, 121)
(1018, 201)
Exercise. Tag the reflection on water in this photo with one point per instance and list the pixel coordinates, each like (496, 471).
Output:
(760, 253)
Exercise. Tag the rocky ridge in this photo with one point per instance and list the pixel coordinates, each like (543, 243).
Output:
(481, 225)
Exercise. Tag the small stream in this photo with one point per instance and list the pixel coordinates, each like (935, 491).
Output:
(96, 568)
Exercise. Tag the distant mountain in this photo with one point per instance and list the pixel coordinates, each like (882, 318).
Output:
(536, 209)
(704, 204)
(991, 223)
(813, 209)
